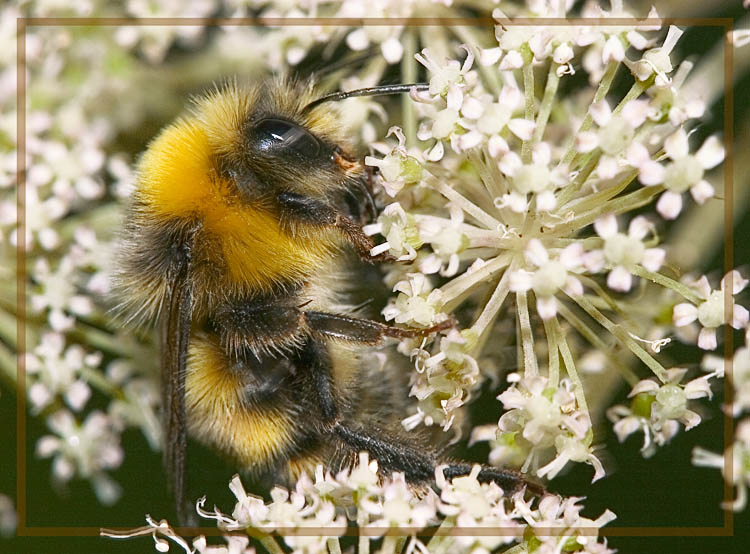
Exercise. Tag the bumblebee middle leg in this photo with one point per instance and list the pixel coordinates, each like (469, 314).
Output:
(279, 322)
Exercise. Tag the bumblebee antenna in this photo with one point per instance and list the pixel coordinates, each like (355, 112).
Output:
(371, 91)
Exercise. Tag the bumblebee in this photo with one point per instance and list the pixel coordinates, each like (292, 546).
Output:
(235, 241)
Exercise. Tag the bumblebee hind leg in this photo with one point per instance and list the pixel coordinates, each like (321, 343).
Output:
(418, 463)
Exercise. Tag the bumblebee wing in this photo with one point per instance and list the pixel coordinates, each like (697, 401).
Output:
(175, 337)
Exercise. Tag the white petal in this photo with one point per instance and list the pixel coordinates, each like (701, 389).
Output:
(600, 113)
(607, 167)
(392, 50)
(435, 154)
(563, 53)
(489, 56)
(695, 108)
(470, 140)
(472, 108)
(690, 419)
(516, 202)
(594, 261)
(541, 154)
(586, 141)
(711, 153)
(698, 388)
(620, 279)
(455, 97)
(639, 227)
(520, 281)
(536, 253)
(646, 385)
(546, 201)
(573, 286)
(572, 255)
(613, 50)
(483, 433)
(357, 40)
(637, 154)
(512, 60)
(653, 258)
(673, 35)
(702, 286)
(626, 427)
(497, 146)
(651, 173)
(707, 339)
(522, 128)
(734, 278)
(77, 395)
(684, 314)
(740, 316)
(510, 96)
(637, 40)
(606, 226)
(676, 144)
(669, 205)
(635, 112)
(546, 306)
(509, 163)
(702, 191)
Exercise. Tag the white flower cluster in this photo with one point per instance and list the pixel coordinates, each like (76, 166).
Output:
(490, 208)
(539, 417)
(74, 360)
(739, 451)
(657, 410)
(310, 519)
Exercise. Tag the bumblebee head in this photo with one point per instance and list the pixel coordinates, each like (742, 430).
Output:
(268, 140)
(246, 145)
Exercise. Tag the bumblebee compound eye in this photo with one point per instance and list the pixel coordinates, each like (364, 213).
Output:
(278, 137)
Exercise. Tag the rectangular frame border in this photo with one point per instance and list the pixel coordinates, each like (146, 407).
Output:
(23, 23)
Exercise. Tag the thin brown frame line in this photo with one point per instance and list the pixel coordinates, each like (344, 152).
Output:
(24, 22)
(375, 21)
(728, 469)
(402, 531)
(21, 275)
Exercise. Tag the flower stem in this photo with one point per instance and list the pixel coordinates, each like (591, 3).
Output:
(462, 202)
(364, 540)
(570, 367)
(617, 206)
(484, 322)
(530, 368)
(528, 87)
(623, 337)
(441, 542)
(334, 546)
(553, 370)
(545, 108)
(409, 75)
(453, 291)
(594, 339)
(389, 545)
(666, 282)
(601, 92)
(269, 543)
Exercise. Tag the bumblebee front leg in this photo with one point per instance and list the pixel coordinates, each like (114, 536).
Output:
(298, 210)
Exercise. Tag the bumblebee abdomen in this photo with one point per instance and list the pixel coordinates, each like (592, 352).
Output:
(219, 415)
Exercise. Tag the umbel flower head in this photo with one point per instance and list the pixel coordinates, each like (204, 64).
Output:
(511, 211)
